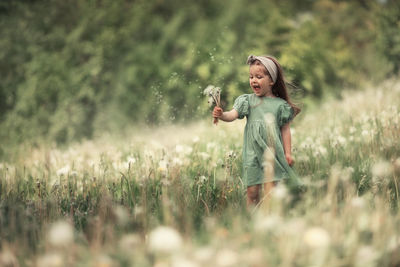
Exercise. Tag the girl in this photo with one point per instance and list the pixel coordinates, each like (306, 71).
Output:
(269, 97)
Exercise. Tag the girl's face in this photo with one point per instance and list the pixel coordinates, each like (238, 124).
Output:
(260, 82)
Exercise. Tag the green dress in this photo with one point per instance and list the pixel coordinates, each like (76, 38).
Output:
(263, 132)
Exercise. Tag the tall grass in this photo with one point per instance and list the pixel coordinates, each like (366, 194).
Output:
(174, 197)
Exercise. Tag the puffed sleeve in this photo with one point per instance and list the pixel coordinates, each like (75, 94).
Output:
(285, 114)
(241, 105)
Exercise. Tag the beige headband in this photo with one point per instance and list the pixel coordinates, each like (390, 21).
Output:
(268, 64)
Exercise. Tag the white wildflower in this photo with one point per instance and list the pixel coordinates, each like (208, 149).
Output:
(280, 192)
(64, 171)
(163, 166)
(316, 237)
(381, 169)
(164, 239)
(196, 139)
(179, 149)
(131, 160)
(61, 234)
(341, 140)
(202, 179)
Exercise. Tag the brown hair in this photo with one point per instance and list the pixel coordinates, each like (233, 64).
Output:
(279, 88)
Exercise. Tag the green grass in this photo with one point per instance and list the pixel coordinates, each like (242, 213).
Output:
(116, 191)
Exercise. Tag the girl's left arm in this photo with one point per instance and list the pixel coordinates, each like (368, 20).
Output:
(287, 143)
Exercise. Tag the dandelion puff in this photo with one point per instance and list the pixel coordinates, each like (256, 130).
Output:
(61, 234)
(357, 202)
(316, 237)
(165, 240)
(196, 139)
(163, 166)
(381, 169)
(63, 171)
(280, 192)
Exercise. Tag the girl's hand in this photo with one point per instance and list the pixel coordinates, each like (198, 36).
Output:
(217, 112)
(289, 159)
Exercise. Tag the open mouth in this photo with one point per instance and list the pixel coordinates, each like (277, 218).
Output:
(256, 87)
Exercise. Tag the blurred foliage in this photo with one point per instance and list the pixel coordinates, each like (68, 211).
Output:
(71, 68)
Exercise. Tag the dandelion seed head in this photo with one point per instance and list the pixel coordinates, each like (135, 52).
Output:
(280, 192)
(381, 169)
(61, 234)
(163, 166)
(165, 240)
(64, 170)
(357, 202)
(316, 237)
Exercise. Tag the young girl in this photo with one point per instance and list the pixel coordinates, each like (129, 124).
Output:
(269, 96)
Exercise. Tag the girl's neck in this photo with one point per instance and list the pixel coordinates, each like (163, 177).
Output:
(269, 95)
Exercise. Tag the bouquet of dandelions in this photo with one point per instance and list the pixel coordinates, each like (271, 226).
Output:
(214, 97)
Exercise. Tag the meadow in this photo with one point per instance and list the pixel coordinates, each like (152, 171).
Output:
(172, 196)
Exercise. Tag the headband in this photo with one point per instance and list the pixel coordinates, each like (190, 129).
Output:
(268, 64)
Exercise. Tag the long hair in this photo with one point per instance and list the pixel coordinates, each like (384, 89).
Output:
(279, 88)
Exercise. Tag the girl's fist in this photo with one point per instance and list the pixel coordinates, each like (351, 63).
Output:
(289, 160)
(217, 112)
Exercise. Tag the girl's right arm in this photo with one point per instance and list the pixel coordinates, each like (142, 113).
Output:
(225, 116)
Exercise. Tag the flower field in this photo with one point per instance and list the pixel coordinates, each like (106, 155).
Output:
(173, 196)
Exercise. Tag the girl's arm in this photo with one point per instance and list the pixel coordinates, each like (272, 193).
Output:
(225, 116)
(287, 143)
